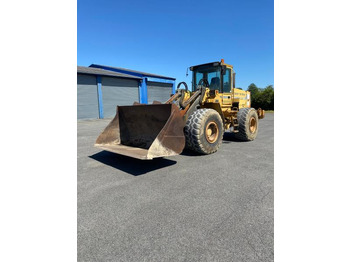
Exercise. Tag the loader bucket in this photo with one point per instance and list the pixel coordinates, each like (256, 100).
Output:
(144, 131)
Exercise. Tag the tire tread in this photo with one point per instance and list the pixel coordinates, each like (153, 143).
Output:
(243, 132)
(193, 128)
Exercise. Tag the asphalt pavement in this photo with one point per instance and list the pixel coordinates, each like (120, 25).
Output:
(217, 207)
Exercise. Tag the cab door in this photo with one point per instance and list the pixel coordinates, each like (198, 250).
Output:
(226, 88)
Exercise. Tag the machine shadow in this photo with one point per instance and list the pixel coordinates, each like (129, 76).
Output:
(187, 152)
(230, 137)
(131, 165)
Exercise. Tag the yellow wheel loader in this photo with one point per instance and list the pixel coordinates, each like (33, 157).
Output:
(196, 120)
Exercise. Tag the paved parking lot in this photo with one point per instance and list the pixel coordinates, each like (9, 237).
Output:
(182, 208)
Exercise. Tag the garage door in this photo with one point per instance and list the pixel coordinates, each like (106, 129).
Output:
(158, 91)
(118, 91)
(87, 97)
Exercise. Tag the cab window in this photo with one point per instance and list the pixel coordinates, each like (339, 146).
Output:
(227, 81)
(214, 80)
(211, 74)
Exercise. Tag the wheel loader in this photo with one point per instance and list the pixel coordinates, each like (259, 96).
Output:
(194, 119)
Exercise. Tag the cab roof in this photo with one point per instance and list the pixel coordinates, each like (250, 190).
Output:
(217, 63)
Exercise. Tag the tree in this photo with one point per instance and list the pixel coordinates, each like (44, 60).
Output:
(262, 97)
(255, 93)
(267, 95)
(253, 89)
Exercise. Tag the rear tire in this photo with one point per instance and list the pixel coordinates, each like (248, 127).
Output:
(248, 124)
(204, 131)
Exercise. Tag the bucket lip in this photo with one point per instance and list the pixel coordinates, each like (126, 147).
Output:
(129, 151)
(135, 152)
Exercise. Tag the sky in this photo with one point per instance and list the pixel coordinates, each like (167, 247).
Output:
(167, 37)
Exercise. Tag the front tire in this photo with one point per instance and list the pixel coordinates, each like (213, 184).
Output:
(204, 131)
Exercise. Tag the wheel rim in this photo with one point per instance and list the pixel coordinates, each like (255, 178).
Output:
(252, 125)
(211, 132)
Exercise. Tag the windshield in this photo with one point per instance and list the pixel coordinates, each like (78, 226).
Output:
(211, 74)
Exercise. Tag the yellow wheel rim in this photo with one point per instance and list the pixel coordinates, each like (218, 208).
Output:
(252, 124)
(211, 132)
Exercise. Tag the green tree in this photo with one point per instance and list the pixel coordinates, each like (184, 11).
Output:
(255, 94)
(262, 97)
(267, 95)
(253, 89)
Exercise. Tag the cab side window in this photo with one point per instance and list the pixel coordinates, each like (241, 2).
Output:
(227, 81)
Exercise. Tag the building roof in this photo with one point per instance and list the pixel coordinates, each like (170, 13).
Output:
(129, 71)
(99, 71)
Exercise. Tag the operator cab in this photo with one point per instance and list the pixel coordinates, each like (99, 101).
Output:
(215, 76)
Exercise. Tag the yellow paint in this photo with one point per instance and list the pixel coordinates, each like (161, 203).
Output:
(226, 104)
